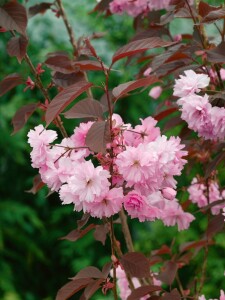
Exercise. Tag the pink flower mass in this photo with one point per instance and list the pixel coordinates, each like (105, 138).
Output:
(139, 177)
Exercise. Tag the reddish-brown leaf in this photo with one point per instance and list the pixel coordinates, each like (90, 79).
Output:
(174, 295)
(65, 80)
(163, 250)
(90, 65)
(17, 46)
(89, 272)
(72, 288)
(13, 16)
(83, 221)
(60, 62)
(39, 8)
(140, 46)
(204, 9)
(143, 291)
(217, 55)
(165, 113)
(124, 88)
(214, 15)
(168, 272)
(86, 108)
(9, 83)
(102, 5)
(64, 98)
(136, 264)
(92, 288)
(215, 225)
(21, 116)
(98, 136)
(76, 234)
(106, 269)
(193, 245)
(37, 184)
(214, 163)
(100, 233)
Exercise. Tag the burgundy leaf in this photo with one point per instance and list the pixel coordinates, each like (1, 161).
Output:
(214, 15)
(9, 83)
(214, 163)
(106, 269)
(86, 108)
(217, 55)
(17, 46)
(155, 298)
(104, 100)
(124, 88)
(60, 62)
(143, 291)
(173, 122)
(102, 5)
(100, 233)
(140, 46)
(37, 184)
(64, 98)
(163, 250)
(72, 288)
(98, 136)
(212, 204)
(89, 272)
(168, 273)
(174, 295)
(83, 221)
(136, 264)
(165, 113)
(39, 8)
(92, 288)
(90, 65)
(13, 16)
(215, 225)
(193, 245)
(21, 116)
(204, 9)
(65, 80)
(76, 234)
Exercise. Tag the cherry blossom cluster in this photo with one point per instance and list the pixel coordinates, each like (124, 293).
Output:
(222, 296)
(197, 111)
(136, 172)
(203, 196)
(137, 7)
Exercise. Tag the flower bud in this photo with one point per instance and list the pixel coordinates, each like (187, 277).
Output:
(169, 193)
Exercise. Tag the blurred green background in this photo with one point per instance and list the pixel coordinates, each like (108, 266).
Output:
(34, 263)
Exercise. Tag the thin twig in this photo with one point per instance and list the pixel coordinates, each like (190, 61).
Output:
(126, 231)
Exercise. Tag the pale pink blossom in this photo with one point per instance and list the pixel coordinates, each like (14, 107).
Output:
(147, 72)
(169, 193)
(155, 92)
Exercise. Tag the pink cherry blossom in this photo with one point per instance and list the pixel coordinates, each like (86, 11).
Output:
(155, 92)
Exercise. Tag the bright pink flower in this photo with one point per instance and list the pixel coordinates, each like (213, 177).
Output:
(190, 83)
(169, 193)
(155, 92)
(80, 134)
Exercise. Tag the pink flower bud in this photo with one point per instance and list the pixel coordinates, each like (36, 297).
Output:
(169, 193)
(147, 72)
(155, 92)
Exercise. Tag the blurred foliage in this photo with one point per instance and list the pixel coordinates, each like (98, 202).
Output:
(34, 263)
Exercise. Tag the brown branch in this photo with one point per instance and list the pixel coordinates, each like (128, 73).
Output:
(126, 231)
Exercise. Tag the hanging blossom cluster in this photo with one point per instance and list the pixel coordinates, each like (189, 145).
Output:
(138, 176)
(137, 7)
(203, 196)
(207, 120)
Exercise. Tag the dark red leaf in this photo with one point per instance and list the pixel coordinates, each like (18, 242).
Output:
(9, 83)
(13, 16)
(204, 9)
(143, 291)
(174, 295)
(214, 15)
(102, 5)
(192, 245)
(86, 108)
(17, 46)
(21, 116)
(214, 163)
(65, 80)
(163, 250)
(165, 113)
(104, 100)
(92, 288)
(124, 88)
(98, 136)
(155, 298)
(136, 264)
(64, 98)
(83, 221)
(37, 184)
(76, 234)
(89, 65)
(100, 233)
(72, 288)
(215, 225)
(89, 272)
(106, 269)
(140, 46)
(39, 8)
(212, 204)
(168, 272)
(60, 62)
(217, 55)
